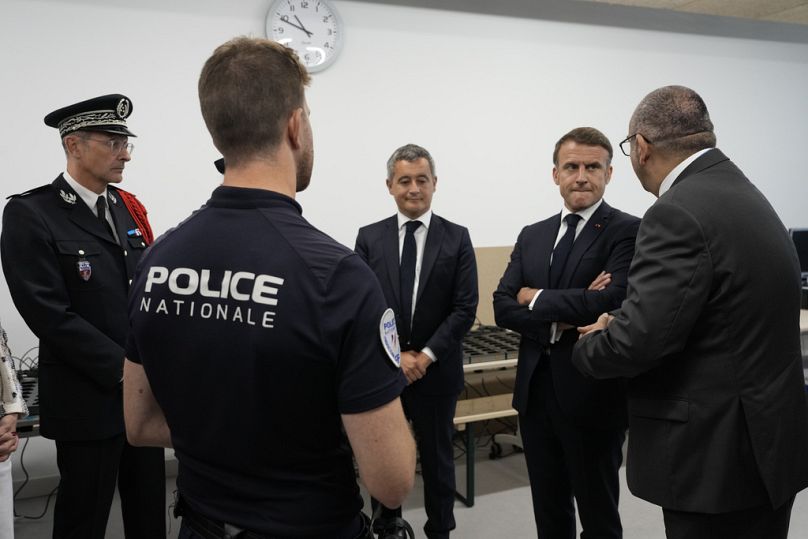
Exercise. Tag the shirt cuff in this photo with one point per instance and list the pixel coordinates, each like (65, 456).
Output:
(430, 353)
(532, 303)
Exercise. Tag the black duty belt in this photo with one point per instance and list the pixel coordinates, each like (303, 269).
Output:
(211, 529)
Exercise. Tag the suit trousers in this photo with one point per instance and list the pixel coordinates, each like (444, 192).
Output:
(431, 417)
(753, 523)
(89, 471)
(566, 460)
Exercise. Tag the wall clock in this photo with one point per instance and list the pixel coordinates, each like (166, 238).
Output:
(312, 28)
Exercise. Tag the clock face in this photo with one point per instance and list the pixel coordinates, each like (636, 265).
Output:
(312, 28)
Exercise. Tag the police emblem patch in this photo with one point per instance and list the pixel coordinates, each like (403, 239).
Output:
(389, 336)
(85, 269)
(70, 198)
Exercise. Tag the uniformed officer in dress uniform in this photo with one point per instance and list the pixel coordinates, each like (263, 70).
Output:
(261, 348)
(69, 250)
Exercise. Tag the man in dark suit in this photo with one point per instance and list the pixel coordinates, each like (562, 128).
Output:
(69, 249)
(564, 271)
(708, 334)
(428, 272)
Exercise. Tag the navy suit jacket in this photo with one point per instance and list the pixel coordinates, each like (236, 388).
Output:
(606, 243)
(446, 301)
(81, 323)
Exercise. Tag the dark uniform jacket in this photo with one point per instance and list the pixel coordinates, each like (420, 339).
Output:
(69, 280)
(709, 334)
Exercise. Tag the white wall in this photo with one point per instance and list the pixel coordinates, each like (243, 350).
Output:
(487, 95)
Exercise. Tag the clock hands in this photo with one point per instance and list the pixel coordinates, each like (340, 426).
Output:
(302, 27)
(299, 26)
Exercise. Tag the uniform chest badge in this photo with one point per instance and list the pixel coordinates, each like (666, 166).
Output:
(85, 269)
(70, 198)
(134, 233)
(389, 336)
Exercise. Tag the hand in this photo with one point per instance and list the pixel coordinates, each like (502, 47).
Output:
(601, 281)
(8, 436)
(285, 18)
(526, 295)
(603, 320)
(414, 365)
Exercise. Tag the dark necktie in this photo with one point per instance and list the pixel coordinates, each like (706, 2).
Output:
(562, 251)
(407, 274)
(101, 207)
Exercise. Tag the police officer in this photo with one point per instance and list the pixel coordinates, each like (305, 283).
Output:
(69, 250)
(260, 347)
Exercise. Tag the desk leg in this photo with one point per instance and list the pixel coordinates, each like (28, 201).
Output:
(468, 499)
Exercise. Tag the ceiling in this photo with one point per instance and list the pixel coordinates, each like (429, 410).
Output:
(792, 11)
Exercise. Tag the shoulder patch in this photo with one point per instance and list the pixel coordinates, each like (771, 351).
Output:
(30, 191)
(389, 337)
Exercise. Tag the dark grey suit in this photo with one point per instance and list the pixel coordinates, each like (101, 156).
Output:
(709, 334)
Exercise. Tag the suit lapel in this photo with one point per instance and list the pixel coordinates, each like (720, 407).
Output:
(80, 214)
(592, 229)
(120, 215)
(545, 244)
(391, 257)
(434, 237)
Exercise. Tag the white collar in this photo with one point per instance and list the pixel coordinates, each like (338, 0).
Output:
(90, 198)
(425, 219)
(585, 214)
(667, 183)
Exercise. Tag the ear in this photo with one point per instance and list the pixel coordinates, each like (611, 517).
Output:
(555, 175)
(435, 183)
(643, 150)
(72, 146)
(609, 174)
(294, 128)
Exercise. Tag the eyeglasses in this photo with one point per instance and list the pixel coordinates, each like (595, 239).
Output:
(625, 145)
(115, 145)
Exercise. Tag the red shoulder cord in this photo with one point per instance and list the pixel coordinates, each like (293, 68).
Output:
(138, 212)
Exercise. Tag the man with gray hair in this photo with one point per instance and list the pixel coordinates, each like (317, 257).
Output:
(708, 336)
(428, 273)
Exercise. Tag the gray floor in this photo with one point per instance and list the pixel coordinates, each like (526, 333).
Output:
(502, 508)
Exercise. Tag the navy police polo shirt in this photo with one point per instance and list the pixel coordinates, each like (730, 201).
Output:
(256, 331)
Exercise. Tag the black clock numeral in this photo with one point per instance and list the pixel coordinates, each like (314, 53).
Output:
(325, 19)
(279, 29)
(304, 5)
(327, 45)
(330, 32)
